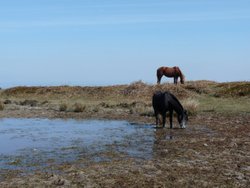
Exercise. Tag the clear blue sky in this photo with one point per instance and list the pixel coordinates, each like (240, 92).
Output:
(106, 42)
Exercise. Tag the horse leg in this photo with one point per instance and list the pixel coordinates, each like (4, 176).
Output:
(163, 119)
(171, 118)
(175, 80)
(156, 118)
(159, 79)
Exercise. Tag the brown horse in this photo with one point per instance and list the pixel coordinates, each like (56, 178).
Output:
(170, 72)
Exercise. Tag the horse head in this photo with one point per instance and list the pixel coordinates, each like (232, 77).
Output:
(182, 77)
(183, 119)
(182, 80)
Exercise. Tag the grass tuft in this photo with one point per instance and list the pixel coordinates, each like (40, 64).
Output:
(63, 107)
(191, 105)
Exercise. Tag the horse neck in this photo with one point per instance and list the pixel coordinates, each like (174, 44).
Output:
(178, 108)
(182, 77)
(180, 74)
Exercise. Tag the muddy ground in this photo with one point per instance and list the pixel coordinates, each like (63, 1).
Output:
(213, 151)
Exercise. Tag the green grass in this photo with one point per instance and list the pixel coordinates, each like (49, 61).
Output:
(224, 105)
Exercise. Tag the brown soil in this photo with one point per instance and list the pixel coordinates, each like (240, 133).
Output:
(214, 151)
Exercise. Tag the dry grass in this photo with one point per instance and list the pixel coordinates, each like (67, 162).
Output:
(135, 98)
(141, 109)
(137, 89)
(191, 105)
(63, 107)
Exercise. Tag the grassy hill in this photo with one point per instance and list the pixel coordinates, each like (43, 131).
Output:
(135, 98)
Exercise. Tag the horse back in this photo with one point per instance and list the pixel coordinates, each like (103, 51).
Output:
(161, 102)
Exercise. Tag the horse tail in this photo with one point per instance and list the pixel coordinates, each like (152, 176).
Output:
(181, 75)
(159, 74)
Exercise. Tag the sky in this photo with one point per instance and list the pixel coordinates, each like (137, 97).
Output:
(109, 42)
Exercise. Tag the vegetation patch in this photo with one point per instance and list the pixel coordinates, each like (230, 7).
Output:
(191, 105)
(63, 107)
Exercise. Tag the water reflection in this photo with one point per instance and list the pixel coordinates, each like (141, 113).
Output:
(162, 137)
(163, 134)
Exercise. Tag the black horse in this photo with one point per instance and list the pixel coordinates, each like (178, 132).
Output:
(164, 102)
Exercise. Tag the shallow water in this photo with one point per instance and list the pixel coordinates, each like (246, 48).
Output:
(31, 143)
